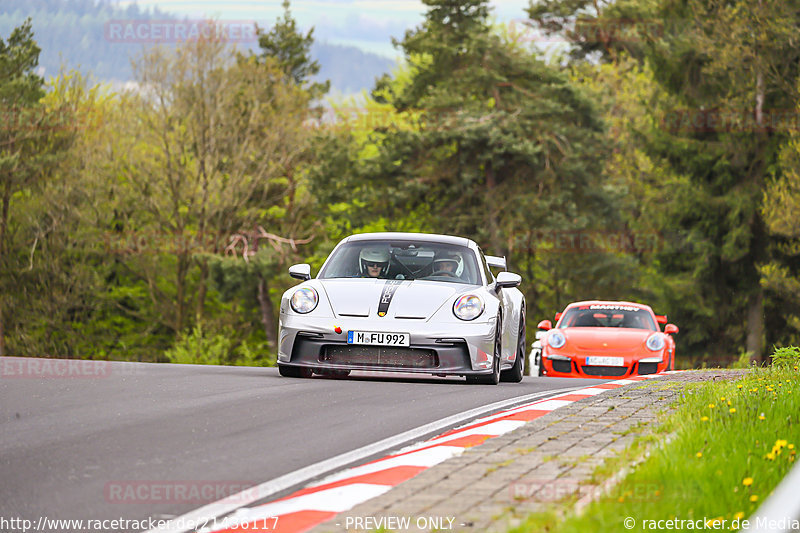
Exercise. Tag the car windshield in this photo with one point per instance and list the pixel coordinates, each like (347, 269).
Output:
(607, 316)
(410, 260)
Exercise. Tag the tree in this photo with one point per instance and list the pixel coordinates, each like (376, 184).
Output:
(33, 138)
(781, 274)
(726, 67)
(502, 133)
(62, 274)
(206, 155)
(734, 59)
(291, 49)
(477, 137)
(605, 30)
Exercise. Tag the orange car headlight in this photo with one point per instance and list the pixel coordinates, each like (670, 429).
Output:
(655, 342)
(556, 339)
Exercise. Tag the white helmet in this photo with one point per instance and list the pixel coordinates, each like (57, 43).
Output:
(373, 256)
(452, 260)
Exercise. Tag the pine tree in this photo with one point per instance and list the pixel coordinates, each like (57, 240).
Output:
(292, 50)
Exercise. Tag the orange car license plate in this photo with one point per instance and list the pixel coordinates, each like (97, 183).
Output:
(605, 361)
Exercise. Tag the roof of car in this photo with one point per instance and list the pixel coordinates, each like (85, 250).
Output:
(609, 302)
(425, 237)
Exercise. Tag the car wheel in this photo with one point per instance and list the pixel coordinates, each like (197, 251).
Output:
(494, 377)
(541, 363)
(515, 373)
(294, 371)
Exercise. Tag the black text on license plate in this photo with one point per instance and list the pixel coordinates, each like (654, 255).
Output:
(380, 338)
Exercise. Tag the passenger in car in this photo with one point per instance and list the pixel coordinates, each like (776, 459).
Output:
(445, 265)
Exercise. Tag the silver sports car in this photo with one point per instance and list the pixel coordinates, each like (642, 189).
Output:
(404, 302)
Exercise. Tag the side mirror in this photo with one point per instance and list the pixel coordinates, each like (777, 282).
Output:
(558, 316)
(661, 319)
(507, 280)
(301, 271)
(671, 329)
(545, 325)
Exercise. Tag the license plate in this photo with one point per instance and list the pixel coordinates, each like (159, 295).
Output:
(380, 338)
(605, 361)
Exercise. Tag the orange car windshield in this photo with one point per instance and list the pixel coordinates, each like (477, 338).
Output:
(592, 317)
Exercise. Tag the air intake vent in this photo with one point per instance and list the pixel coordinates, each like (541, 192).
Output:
(379, 356)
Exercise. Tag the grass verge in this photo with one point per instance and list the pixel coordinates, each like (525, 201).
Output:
(731, 444)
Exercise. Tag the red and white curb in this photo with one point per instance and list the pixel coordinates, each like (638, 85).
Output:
(342, 491)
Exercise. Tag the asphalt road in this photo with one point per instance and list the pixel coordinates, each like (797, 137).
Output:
(117, 440)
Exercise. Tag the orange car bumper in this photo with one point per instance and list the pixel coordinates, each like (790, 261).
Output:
(575, 368)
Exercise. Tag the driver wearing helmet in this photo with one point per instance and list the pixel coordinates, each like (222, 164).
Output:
(373, 262)
(446, 265)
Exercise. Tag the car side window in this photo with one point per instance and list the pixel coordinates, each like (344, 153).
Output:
(486, 269)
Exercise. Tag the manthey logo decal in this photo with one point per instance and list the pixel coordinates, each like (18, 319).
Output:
(387, 294)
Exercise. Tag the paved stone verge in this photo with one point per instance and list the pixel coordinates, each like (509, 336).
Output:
(493, 486)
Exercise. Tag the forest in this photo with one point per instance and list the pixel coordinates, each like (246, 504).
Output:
(654, 157)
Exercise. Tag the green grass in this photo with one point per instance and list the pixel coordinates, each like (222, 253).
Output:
(730, 443)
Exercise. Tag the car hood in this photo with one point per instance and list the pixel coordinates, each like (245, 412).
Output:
(411, 299)
(606, 338)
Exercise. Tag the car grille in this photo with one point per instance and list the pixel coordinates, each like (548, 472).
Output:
(562, 366)
(389, 356)
(605, 370)
(647, 368)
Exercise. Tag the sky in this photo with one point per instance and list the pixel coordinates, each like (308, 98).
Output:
(367, 24)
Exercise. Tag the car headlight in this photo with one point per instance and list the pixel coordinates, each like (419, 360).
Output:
(304, 300)
(468, 307)
(556, 339)
(655, 342)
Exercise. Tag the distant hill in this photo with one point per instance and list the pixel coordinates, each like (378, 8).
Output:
(349, 68)
(89, 36)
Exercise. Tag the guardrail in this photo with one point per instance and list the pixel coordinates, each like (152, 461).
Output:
(781, 511)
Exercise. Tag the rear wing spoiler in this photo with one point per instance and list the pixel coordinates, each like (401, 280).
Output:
(661, 319)
(496, 262)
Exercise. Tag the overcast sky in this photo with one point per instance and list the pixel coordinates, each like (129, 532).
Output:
(370, 25)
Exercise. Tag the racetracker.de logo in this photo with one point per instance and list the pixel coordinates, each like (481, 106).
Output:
(596, 241)
(176, 492)
(552, 490)
(176, 31)
(730, 120)
(590, 31)
(31, 367)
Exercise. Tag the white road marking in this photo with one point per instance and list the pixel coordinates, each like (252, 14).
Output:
(494, 429)
(550, 405)
(335, 500)
(424, 458)
(590, 391)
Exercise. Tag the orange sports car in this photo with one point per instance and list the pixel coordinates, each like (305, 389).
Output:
(598, 339)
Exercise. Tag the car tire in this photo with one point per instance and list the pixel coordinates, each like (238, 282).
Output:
(288, 371)
(515, 373)
(494, 377)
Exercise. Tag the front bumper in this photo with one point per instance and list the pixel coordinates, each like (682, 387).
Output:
(573, 366)
(451, 348)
